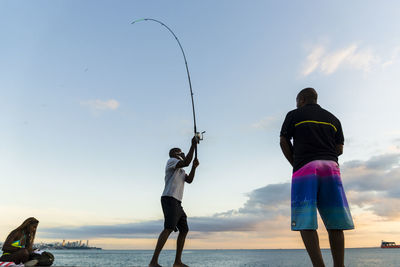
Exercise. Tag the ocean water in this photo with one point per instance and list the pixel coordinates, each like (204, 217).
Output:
(364, 257)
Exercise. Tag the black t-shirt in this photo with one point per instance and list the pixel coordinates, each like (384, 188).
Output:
(315, 132)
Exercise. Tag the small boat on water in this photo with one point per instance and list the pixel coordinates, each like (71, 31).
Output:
(385, 244)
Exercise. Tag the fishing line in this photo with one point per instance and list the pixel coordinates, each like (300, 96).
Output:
(198, 135)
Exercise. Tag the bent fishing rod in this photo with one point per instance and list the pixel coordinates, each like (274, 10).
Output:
(198, 135)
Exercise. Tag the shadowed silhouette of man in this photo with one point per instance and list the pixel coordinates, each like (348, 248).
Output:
(175, 218)
(316, 183)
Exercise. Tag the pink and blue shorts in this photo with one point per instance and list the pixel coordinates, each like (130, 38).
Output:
(317, 185)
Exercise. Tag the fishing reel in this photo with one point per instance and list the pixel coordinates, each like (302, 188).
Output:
(199, 136)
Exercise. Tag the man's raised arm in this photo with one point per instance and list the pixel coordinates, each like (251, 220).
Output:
(186, 161)
(190, 177)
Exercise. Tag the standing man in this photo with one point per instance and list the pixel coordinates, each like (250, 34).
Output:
(174, 216)
(317, 142)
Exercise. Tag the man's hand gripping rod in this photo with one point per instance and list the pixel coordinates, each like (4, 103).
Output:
(199, 137)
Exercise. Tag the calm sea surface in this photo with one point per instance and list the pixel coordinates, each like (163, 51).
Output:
(364, 257)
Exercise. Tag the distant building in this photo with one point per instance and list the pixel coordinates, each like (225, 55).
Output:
(65, 245)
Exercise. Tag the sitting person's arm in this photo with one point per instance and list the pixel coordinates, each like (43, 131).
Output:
(29, 242)
(7, 246)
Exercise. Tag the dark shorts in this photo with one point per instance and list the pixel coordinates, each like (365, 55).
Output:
(174, 216)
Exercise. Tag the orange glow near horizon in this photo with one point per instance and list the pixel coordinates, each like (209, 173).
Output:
(370, 230)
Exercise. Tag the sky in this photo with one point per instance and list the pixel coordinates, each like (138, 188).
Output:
(90, 106)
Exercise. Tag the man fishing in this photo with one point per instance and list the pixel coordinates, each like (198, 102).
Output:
(316, 183)
(174, 216)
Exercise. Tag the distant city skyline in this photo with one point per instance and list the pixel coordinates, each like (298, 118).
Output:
(91, 106)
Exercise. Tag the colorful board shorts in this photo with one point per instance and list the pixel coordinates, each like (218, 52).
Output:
(318, 185)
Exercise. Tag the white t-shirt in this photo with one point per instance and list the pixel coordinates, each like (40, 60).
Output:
(174, 180)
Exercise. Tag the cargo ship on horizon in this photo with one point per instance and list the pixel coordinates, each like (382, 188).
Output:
(385, 244)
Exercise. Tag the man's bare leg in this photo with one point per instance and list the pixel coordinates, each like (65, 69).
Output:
(311, 241)
(162, 239)
(179, 248)
(336, 240)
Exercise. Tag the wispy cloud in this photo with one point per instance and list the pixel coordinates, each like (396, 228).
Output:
(100, 105)
(394, 57)
(313, 60)
(265, 123)
(325, 61)
(371, 185)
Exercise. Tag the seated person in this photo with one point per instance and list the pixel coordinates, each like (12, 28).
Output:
(19, 243)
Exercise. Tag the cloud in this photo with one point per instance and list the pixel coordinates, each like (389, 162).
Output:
(327, 62)
(270, 200)
(394, 57)
(265, 123)
(99, 105)
(137, 230)
(332, 61)
(264, 205)
(313, 60)
(379, 173)
(147, 229)
(371, 185)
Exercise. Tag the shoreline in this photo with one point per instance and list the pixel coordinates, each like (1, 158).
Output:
(217, 249)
